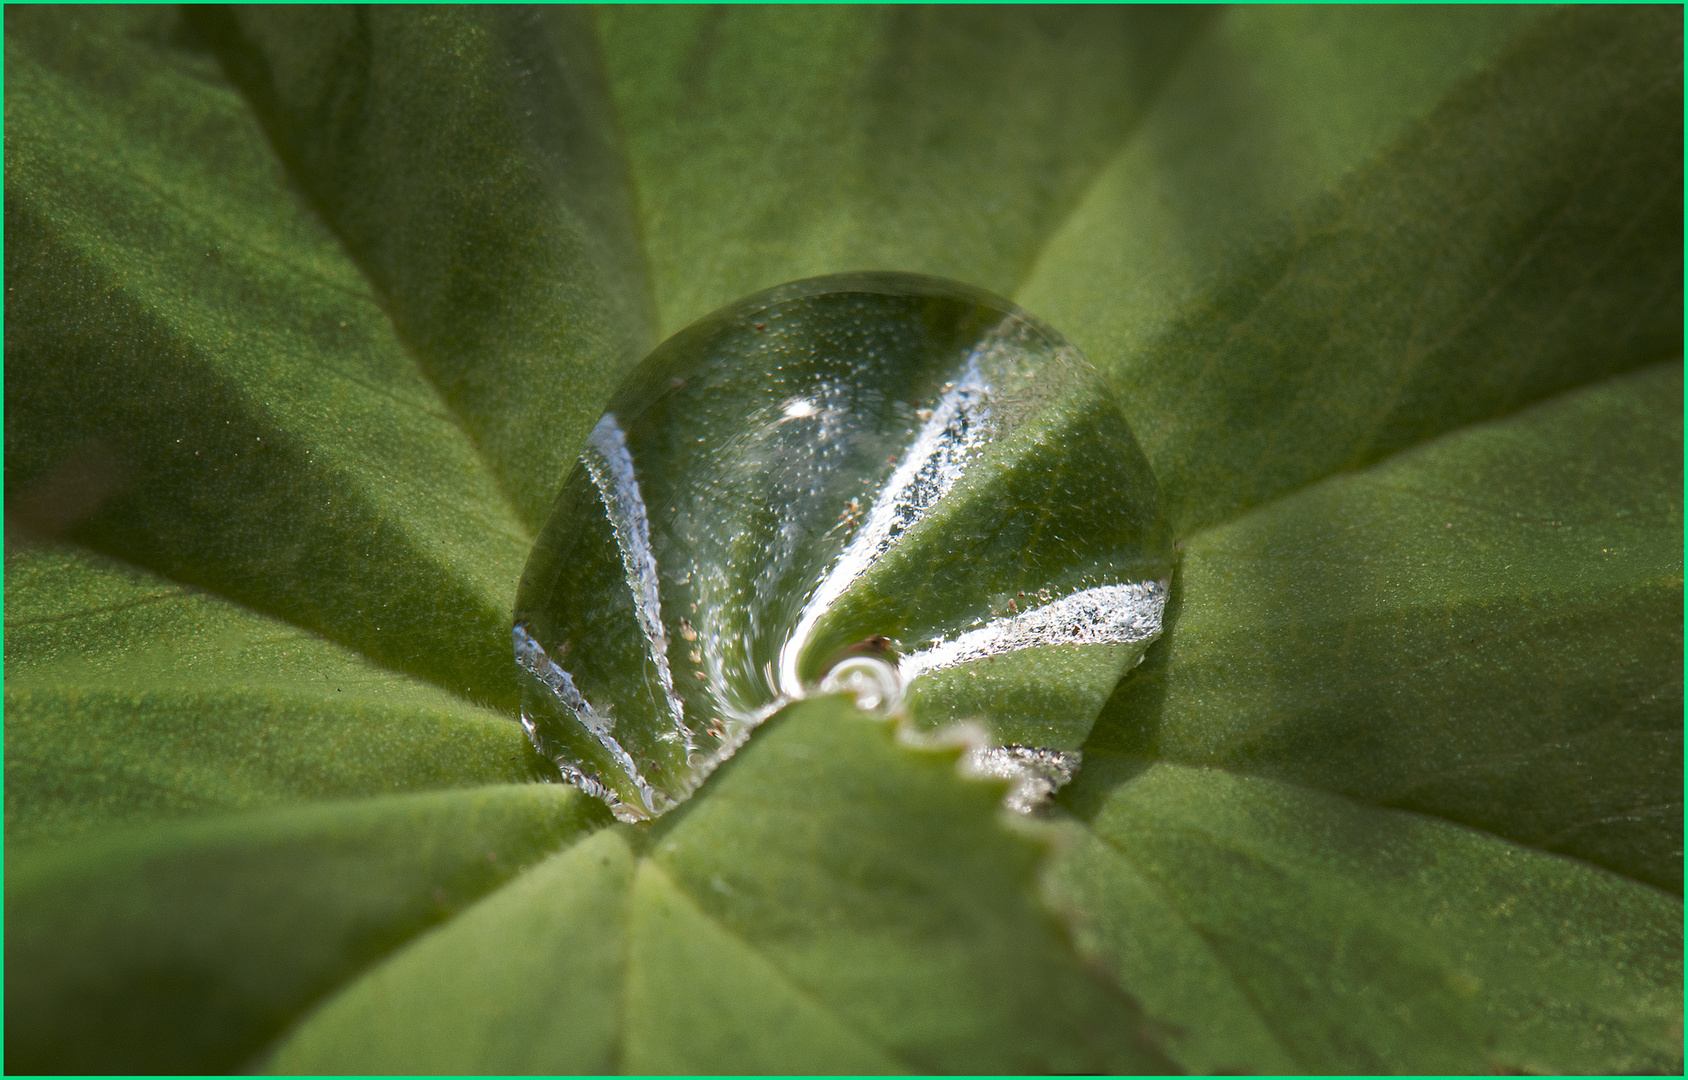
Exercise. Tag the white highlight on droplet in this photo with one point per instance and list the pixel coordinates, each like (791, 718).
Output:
(612, 472)
(798, 407)
(1105, 615)
(531, 655)
(959, 425)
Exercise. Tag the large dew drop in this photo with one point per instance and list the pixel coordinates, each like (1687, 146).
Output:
(887, 485)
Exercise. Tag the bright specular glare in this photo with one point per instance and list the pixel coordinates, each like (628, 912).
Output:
(887, 485)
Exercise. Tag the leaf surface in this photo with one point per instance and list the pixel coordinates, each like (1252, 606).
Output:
(830, 900)
(1370, 940)
(469, 160)
(252, 424)
(1338, 234)
(1487, 628)
(130, 697)
(187, 947)
(943, 142)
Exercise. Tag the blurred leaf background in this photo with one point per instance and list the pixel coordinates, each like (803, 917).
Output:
(309, 310)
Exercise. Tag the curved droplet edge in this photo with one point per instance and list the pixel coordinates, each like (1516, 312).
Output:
(875, 283)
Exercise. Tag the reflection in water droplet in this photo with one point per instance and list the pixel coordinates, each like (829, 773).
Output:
(886, 485)
(874, 683)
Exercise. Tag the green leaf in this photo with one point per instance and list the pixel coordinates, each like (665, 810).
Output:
(308, 316)
(253, 424)
(1323, 248)
(830, 901)
(1487, 628)
(104, 662)
(186, 948)
(1325, 936)
(946, 143)
(469, 161)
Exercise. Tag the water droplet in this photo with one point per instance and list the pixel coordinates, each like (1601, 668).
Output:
(886, 485)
